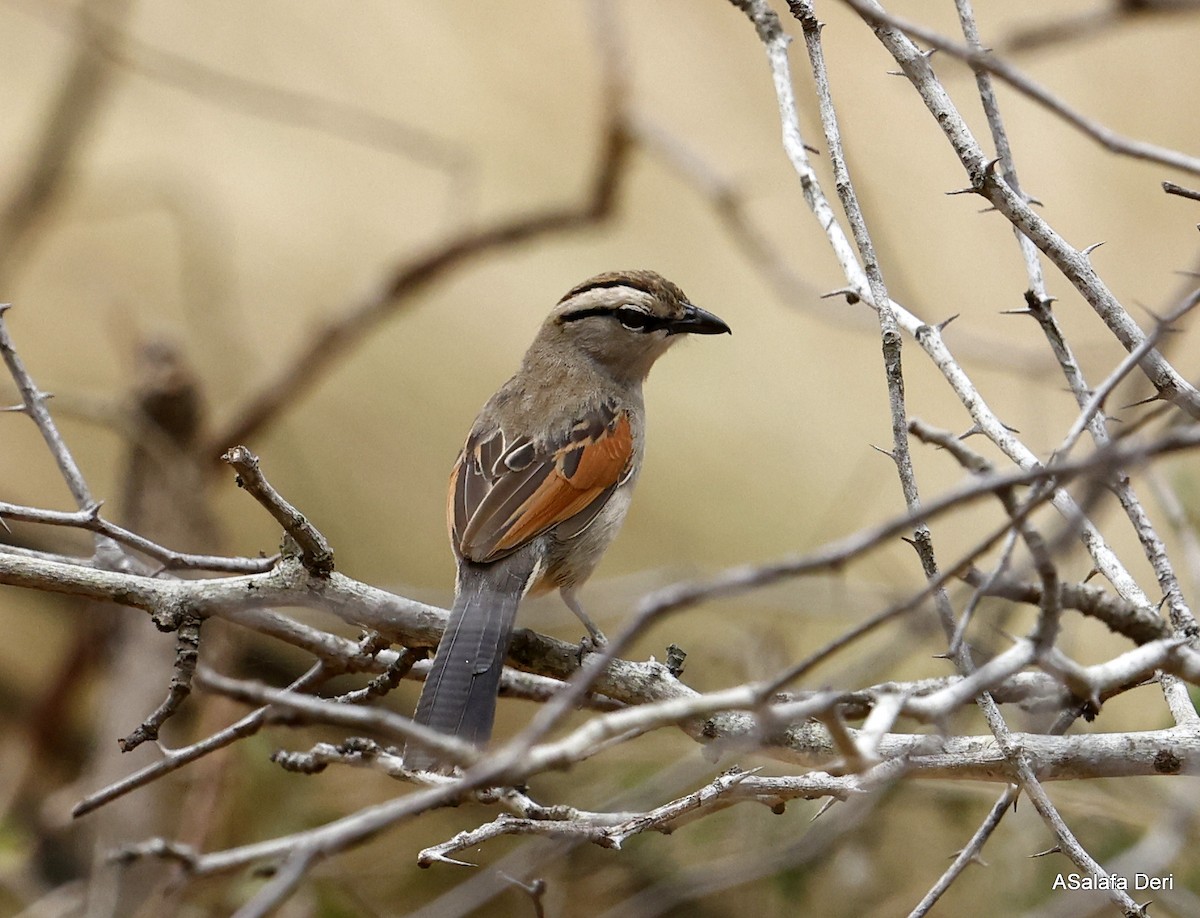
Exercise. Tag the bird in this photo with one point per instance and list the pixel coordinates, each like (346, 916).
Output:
(544, 481)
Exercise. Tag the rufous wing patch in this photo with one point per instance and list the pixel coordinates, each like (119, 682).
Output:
(600, 462)
(581, 472)
(520, 504)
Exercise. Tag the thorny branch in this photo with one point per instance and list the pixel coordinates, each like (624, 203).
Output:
(982, 60)
(917, 68)
(716, 718)
(1074, 264)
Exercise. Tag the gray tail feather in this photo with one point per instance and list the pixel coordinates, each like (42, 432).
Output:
(459, 697)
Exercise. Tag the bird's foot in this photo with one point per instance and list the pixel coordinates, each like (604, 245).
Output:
(592, 643)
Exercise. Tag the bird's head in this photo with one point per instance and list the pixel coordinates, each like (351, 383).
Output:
(625, 320)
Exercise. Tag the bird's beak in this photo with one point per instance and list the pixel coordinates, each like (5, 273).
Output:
(697, 321)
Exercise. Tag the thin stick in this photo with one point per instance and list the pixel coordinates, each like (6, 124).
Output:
(315, 552)
(89, 519)
(34, 401)
(980, 59)
(177, 758)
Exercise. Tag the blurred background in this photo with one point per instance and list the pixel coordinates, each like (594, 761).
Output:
(194, 195)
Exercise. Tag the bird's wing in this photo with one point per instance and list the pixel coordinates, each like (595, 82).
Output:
(504, 492)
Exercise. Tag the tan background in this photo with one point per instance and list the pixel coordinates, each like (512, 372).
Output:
(192, 212)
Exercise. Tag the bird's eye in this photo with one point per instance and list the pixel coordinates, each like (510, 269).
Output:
(635, 318)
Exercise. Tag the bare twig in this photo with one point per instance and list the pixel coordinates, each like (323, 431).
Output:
(1172, 188)
(969, 854)
(1138, 623)
(176, 759)
(90, 520)
(889, 328)
(315, 553)
(34, 401)
(1100, 394)
(603, 829)
(981, 59)
(187, 652)
(288, 876)
(1073, 264)
(319, 710)
(1067, 842)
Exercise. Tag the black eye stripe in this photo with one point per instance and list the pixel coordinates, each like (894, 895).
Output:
(586, 313)
(630, 317)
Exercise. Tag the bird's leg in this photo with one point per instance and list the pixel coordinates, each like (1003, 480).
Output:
(597, 636)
